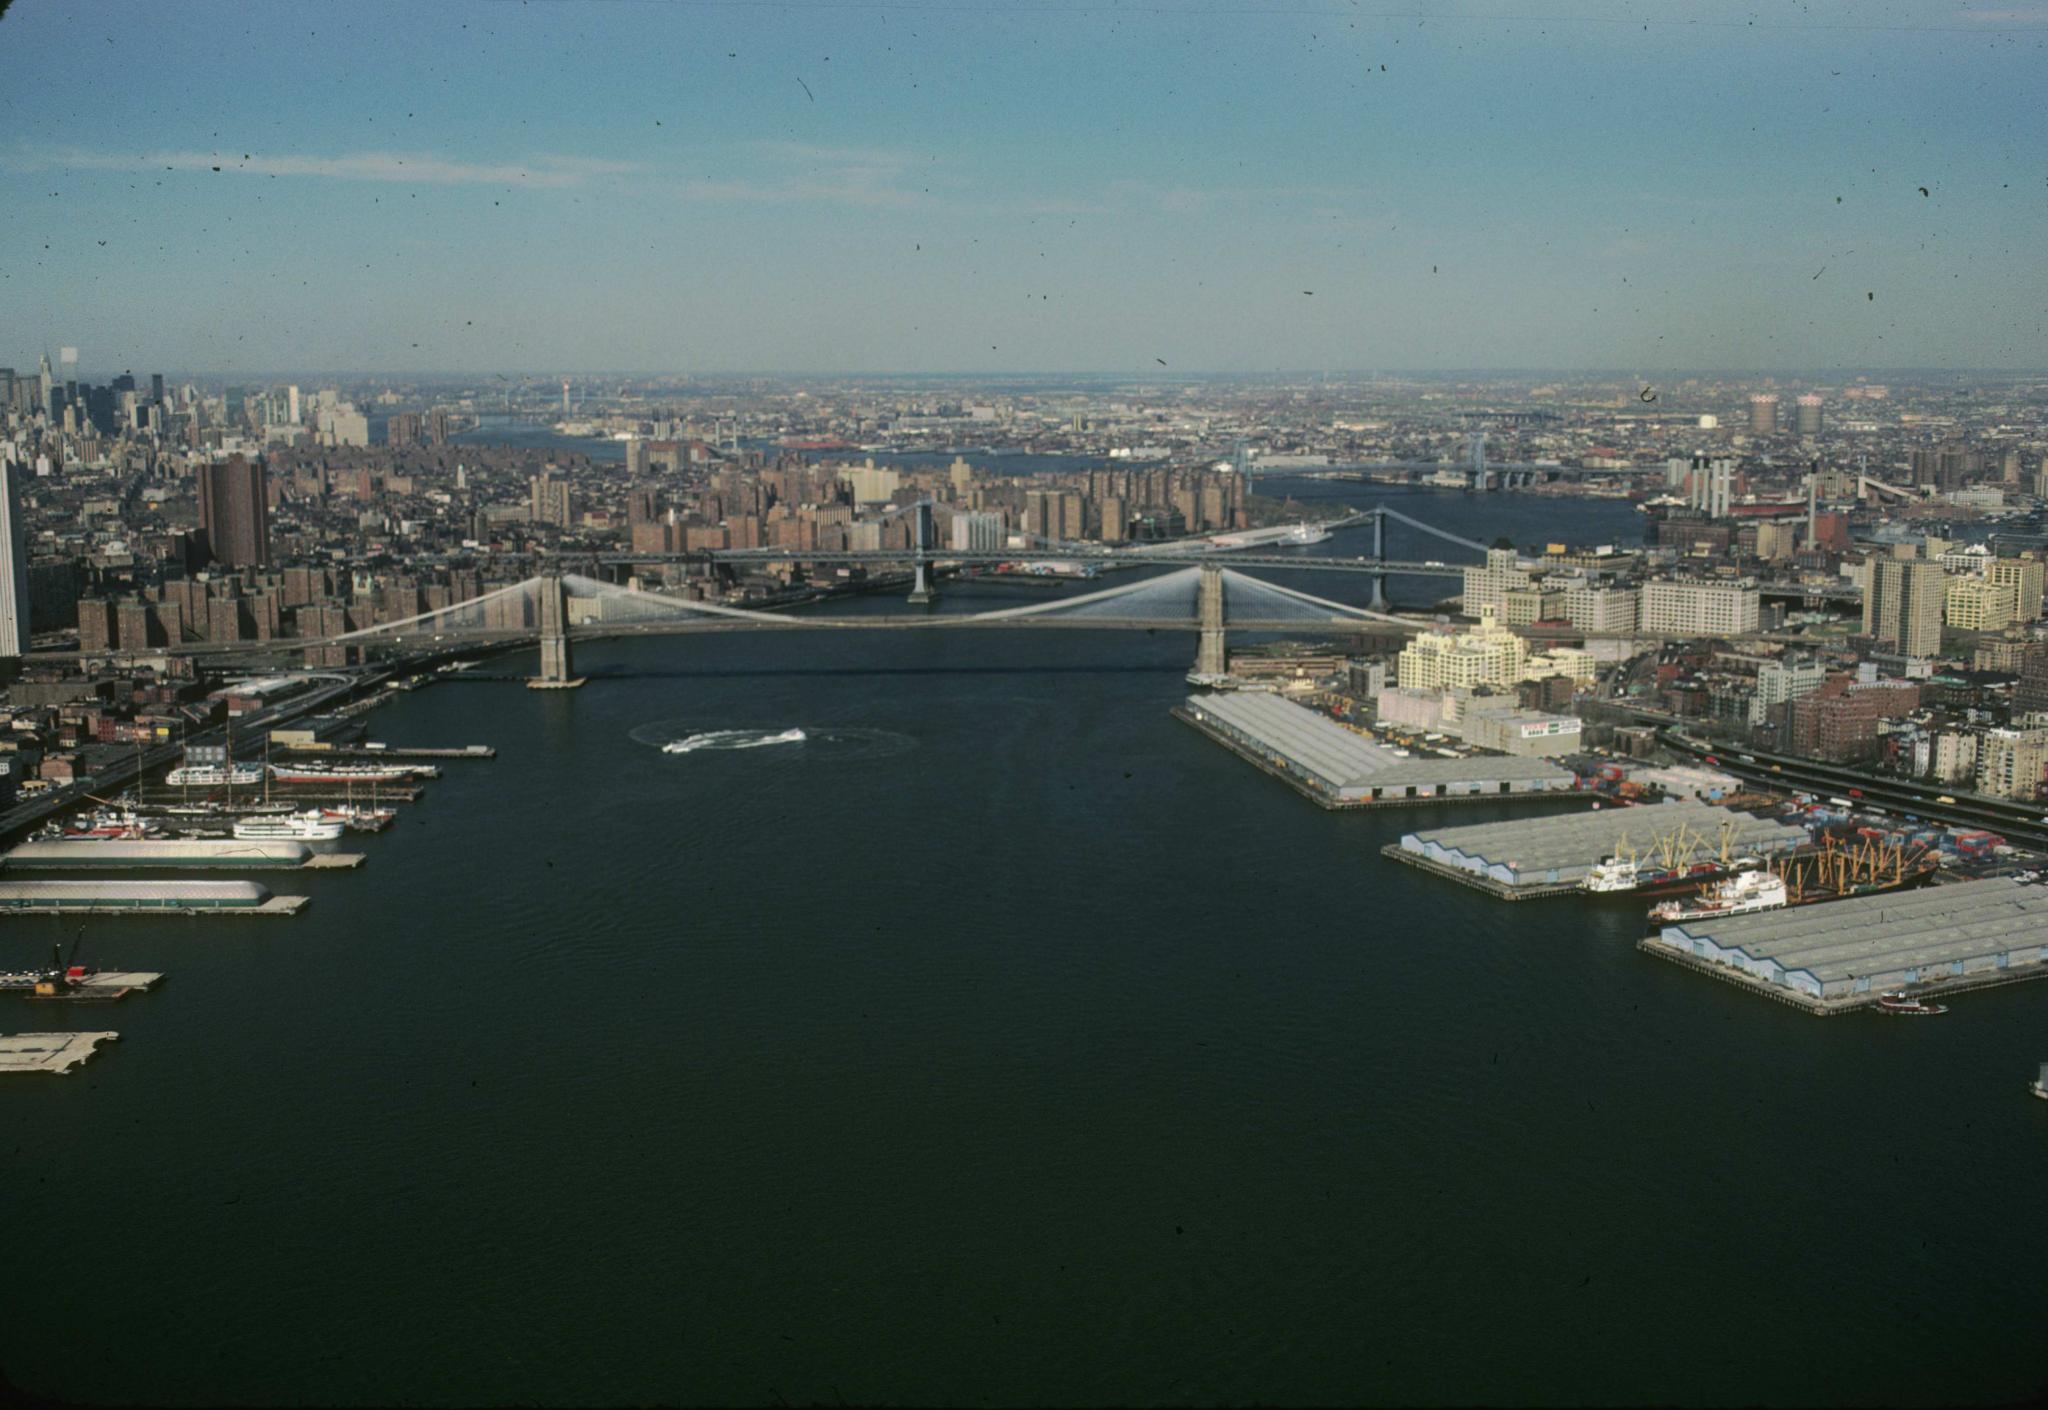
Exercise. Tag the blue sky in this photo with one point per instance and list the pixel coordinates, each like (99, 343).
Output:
(666, 185)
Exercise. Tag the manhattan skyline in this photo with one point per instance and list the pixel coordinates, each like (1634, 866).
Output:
(1160, 191)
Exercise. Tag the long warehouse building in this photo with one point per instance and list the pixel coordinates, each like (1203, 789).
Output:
(1843, 954)
(1345, 770)
(1559, 851)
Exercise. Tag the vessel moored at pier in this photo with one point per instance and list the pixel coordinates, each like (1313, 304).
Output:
(1735, 895)
(313, 825)
(351, 773)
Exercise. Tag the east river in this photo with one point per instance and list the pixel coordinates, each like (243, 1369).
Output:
(1003, 1041)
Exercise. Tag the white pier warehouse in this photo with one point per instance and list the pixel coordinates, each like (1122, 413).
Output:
(1844, 954)
(1340, 769)
(1532, 855)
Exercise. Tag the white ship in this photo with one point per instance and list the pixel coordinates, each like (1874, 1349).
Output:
(1735, 896)
(351, 773)
(215, 776)
(1611, 874)
(309, 826)
(1303, 534)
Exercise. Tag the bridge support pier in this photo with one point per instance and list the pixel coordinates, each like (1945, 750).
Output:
(1211, 666)
(1379, 553)
(921, 590)
(557, 672)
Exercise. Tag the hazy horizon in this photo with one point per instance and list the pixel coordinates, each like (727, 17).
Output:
(1010, 189)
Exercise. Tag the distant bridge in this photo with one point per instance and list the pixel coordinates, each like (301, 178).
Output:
(1200, 594)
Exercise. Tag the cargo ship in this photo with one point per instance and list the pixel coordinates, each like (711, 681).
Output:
(1627, 876)
(1736, 895)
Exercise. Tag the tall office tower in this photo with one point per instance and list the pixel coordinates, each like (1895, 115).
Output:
(1903, 604)
(1809, 415)
(234, 512)
(1763, 414)
(294, 414)
(643, 505)
(438, 428)
(156, 388)
(565, 396)
(46, 384)
(14, 565)
(549, 502)
(6, 390)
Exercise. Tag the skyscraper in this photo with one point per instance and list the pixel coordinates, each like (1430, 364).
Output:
(234, 513)
(13, 564)
(1903, 604)
(1763, 414)
(549, 500)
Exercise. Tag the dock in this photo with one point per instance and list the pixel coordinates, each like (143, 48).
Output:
(1526, 859)
(1840, 956)
(49, 1052)
(1335, 768)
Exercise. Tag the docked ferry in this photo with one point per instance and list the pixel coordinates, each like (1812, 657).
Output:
(309, 826)
(1733, 896)
(215, 776)
(350, 773)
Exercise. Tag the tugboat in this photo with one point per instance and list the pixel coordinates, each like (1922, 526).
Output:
(1737, 895)
(1898, 1001)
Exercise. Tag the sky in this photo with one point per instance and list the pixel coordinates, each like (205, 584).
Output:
(818, 186)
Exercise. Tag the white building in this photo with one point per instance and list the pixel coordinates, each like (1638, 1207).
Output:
(1489, 654)
(1780, 681)
(976, 532)
(1602, 609)
(1678, 608)
(1489, 586)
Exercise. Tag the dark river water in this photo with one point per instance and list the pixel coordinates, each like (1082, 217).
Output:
(1003, 1041)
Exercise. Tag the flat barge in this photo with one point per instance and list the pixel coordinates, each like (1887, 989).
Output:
(49, 1052)
(95, 987)
(122, 854)
(130, 898)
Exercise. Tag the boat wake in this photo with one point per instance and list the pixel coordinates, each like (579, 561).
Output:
(841, 742)
(732, 739)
